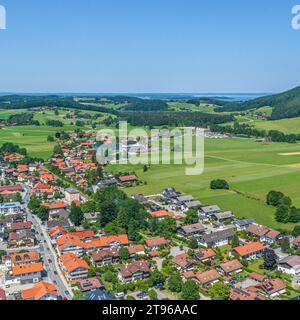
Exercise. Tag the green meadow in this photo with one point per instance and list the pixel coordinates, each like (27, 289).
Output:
(184, 106)
(34, 138)
(251, 168)
(284, 125)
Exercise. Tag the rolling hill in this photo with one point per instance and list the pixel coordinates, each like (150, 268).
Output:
(285, 105)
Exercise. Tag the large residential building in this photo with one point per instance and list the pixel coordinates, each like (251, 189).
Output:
(290, 265)
(183, 263)
(41, 291)
(74, 267)
(155, 243)
(252, 250)
(21, 258)
(9, 208)
(208, 277)
(192, 230)
(161, 215)
(28, 273)
(216, 238)
(263, 233)
(272, 288)
(205, 256)
(75, 243)
(136, 270)
(11, 190)
(90, 284)
(229, 268)
(245, 294)
(105, 256)
(209, 210)
(72, 195)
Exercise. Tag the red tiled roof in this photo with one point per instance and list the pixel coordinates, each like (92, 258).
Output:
(39, 291)
(182, 260)
(271, 286)
(257, 277)
(24, 257)
(296, 241)
(250, 248)
(55, 205)
(156, 242)
(27, 268)
(240, 294)
(207, 276)
(15, 188)
(205, 254)
(231, 266)
(136, 249)
(72, 262)
(21, 225)
(56, 230)
(90, 284)
(70, 239)
(133, 267)
(128, 178)
(161, 213)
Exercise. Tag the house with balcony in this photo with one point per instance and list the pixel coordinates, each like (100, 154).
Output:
(229, 268)
(250, 251)
(136, 270)
(104, 257)
(216, 238)
(10, 208)
(28, 273)
(74, 268)
(290, 265)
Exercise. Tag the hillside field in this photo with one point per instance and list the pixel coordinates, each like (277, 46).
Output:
(285, 125)
(34, 138)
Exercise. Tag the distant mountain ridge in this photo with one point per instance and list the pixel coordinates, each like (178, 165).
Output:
(285, 105)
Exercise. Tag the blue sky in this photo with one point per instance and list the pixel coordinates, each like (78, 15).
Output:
(149, 46)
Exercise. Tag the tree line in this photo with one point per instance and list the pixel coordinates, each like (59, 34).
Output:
(245, 129)
(195, 119)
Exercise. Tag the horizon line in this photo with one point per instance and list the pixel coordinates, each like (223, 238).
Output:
(133, 93)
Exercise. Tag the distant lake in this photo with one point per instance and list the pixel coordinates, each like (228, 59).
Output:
(162, 96)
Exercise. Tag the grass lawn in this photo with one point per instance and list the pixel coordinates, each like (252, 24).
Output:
(254, 267)
(33, 138)
(251, 168)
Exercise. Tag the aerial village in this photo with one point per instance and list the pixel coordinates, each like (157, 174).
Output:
(69, 231)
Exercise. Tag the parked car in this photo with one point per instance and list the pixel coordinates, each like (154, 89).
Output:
(143, 295)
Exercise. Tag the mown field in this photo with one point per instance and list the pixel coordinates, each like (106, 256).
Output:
(183, 106)
(34, 138)
(251, 168)
(284, 125)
